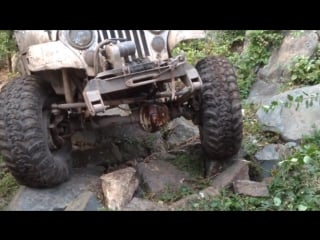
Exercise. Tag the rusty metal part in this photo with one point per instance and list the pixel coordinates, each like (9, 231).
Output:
(67, 86)
(153, 116)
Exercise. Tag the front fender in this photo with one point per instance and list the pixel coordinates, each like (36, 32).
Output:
(177, 36)
(53, 56)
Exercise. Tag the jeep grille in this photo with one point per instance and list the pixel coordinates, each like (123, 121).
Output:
(137, 36)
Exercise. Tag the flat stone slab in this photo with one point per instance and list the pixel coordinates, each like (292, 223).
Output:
(239, 170)
(156, 175)
(86, 201)
(58, 198)
(251, 188)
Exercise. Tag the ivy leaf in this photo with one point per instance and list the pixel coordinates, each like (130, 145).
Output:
(294, 77)
(302, 207)
(290, 98)
(307, 159)
(277, 201)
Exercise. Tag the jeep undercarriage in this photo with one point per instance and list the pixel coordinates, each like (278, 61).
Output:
(72, 80)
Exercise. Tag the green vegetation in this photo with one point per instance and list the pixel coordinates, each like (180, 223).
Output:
(8, 186)
(295, 185)
(253, 135)
(7, 46)
(305, 70)
(189, 163)
(247, 57)
(170, 195)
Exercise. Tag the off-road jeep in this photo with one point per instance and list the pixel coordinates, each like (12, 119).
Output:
(71, 79)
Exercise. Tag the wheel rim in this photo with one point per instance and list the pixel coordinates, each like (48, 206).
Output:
(52, 128)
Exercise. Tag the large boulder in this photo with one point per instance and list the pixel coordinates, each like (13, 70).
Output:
(295, 43)
(290, 123)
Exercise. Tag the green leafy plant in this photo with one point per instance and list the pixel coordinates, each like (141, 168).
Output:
(230, 43)
(305, 98)
(188, 163)
(170, 194)
(305, 70)
(8, 185)
(256, 55)
(7, 46)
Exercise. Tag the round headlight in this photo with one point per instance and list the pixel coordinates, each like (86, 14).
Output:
(80, 39)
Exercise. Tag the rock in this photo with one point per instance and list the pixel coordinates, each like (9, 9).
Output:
(156, 175)
(181, 131)
(251, 188)
(115, 145)
(86, 201)
(155, 143)
(139, 204)
(291, 145)
(261, 91)
(31, 199)
(237, 171)
(294, 44)
(290, 123)
(270, 155)
(118, 187)
(116, 152)
(133, 150)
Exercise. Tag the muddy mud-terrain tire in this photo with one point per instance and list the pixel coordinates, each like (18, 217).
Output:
(24, 135)
(220, 117)
(4, 147)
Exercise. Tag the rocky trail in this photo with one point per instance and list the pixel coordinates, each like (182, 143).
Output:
(125, 168)
(130, 169)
